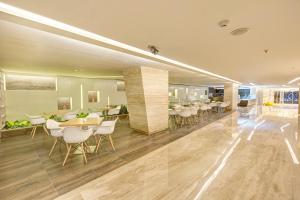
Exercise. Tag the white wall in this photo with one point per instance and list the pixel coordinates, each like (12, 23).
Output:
(34, 102)
(187, 93)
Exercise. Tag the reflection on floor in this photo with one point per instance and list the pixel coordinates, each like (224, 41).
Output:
(218, 161)
(26, 172)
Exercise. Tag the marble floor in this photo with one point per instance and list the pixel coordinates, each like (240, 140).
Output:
(253, 156)
(26, 171)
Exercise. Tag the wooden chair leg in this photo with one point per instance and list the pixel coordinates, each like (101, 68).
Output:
(111, 142)
(67, 155)
(45, 129)
(98, 144)
(83, 153)
(33, 132)
(87, 147)
(55, 141)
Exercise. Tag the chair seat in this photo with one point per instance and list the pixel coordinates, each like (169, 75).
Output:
(56, 132)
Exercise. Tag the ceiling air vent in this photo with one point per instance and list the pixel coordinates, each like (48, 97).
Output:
(223, 23)
(239, 31)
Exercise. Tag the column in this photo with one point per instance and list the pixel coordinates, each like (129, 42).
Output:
(231, 94)
(147, 98)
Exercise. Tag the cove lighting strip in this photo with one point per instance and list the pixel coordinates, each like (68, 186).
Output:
(294, 80)
(72, 29)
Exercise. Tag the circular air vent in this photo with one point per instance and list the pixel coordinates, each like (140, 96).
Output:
(239, 31)
(223, 23)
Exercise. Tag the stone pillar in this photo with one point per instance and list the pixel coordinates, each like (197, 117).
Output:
(231, 94)
(147, 98)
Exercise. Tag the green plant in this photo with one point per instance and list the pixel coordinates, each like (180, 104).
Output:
(82, 115)
(17, 124)
(56, 118)
(123, 110)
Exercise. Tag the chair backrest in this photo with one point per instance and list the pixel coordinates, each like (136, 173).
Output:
(76, 134)
(203, 108)
(185, 113)
(36, 119)
(93, 115)
(113, 111)
(172, 112)
(70, 115)
(223, 105)
(212, 104)
(52, 124)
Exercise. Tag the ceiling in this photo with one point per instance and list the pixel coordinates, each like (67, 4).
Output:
(28, 50)
(187, 31)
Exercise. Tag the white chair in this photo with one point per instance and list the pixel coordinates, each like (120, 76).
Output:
(194, 113)
(214, 107)
(113, 112)
(105, 129)
(173, 118)
(76, 137)
(185, 115)
(70, 115)
(55, 131)
(37, 120)
(204, 111)
(222, 107)
(99, 113)
(93, 115)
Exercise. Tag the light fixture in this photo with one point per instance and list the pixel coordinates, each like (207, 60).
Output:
(294, 80)
(72, 29)
(81, 97)
(252, 84)
(239, 31)
(76, 70)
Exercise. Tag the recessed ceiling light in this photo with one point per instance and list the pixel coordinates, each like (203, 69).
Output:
(294, 80)
(76, 70)
(239, 31)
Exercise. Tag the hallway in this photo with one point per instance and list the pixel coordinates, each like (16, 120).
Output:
(253, 157)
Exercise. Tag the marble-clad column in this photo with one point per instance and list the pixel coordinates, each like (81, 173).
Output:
(231, 94)
(147, 98)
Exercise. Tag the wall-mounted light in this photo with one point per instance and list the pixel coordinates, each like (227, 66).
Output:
(4, 82)
(98, 96)
(176, 93)
(71, 103)
(81, 97)
(56, 84)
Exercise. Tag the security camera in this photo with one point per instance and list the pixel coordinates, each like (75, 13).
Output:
(153, 49)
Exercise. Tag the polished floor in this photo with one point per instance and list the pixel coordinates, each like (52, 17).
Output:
(26, 172)
(237, 157)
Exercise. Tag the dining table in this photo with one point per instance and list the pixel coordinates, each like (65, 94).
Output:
(82, 122)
